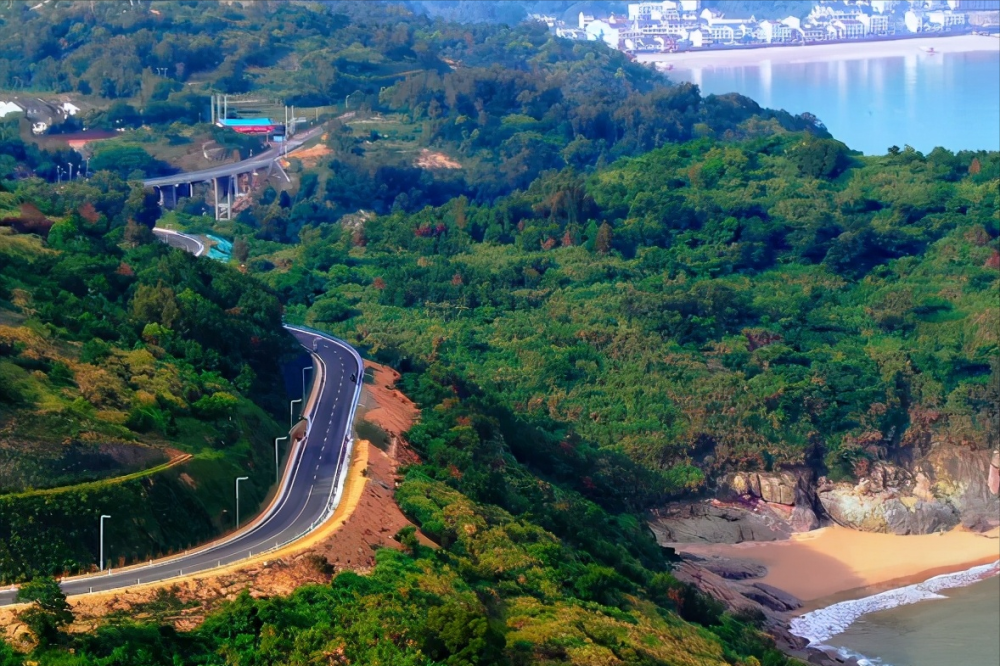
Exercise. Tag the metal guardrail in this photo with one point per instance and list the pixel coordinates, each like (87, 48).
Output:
(336, 490)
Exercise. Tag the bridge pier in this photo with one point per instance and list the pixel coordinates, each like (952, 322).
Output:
(238, 180)
(215, 196)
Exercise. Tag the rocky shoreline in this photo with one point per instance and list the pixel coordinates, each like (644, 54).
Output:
(947, 487)
(734, 582)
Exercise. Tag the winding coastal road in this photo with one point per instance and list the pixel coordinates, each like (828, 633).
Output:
(310, 487)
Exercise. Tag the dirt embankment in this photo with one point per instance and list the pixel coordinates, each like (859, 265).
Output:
(367, 518)
(393, 412)
(434, 160)
(310, 157)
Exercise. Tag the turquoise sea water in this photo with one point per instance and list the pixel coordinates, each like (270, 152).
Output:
(950, 100)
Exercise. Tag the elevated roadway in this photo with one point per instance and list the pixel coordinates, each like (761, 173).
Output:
(255, 163)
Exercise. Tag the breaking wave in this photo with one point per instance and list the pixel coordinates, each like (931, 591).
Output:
(820, 625)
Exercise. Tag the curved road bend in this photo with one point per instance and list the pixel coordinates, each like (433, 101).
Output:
(311, 486)
(250, 164)
(181, 241)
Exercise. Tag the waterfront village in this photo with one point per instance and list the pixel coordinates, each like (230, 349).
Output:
(669, 25)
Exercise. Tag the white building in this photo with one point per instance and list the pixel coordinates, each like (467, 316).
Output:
(848, 29)
(585, 20)
(914, 21)
(653, 11)
(603, 31)
(6, 108)
(875, 24)
(834, 11)
(814, 33)
(700, 38)
(883, 6)
(710, 15)
(946, 18)
(793, 22)
(571, 33)
(690, 6)
(69, 109)
(773, 32)
(723, 34)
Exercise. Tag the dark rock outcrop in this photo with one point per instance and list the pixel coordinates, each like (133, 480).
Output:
(727, 568)
(703, 522)
(772, 597)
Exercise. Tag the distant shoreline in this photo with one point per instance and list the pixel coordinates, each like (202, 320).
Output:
(688, 60)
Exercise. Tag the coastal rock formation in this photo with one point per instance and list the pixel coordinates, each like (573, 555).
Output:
(729, 569)
(884, 512)
(732, 582)
(775, 488)
(948, 486)
(707, 522)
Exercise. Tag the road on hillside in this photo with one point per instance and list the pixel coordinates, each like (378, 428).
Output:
(310, 488)
(182, 241)
(250, 164)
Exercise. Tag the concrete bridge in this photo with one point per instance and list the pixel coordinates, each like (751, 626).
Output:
(227, 180)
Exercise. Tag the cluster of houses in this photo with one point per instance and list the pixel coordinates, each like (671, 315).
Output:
(41, 113)
(670, 25)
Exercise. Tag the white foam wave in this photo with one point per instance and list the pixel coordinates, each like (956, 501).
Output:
(820, 625)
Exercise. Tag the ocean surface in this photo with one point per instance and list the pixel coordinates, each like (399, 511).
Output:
(946, 99)
(961, 630)
(947, 620)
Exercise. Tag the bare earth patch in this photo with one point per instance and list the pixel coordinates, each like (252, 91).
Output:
(310, 157)
(432, 160)
(394, 412)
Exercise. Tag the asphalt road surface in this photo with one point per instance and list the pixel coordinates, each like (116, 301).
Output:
(250, 164)
(311, 486)
(182, 241)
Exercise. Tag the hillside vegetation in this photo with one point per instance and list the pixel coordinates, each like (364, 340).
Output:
(505, 102)
(623, 291)
(117, 353)
(700, 309)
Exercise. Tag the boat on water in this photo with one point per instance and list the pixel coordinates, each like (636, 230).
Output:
(929, 50)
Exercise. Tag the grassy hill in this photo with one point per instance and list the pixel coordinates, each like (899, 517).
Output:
(113, 361)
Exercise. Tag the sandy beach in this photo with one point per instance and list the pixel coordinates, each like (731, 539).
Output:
(824, 52)
(834, 561)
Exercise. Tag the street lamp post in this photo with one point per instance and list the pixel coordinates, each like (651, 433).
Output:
(103, 517)
(304, 380)
(238, 479)
(291, 411)
(276, 469)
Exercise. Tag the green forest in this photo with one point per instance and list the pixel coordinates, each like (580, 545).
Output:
(624, 291)
(702, 308)
(116, 354)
